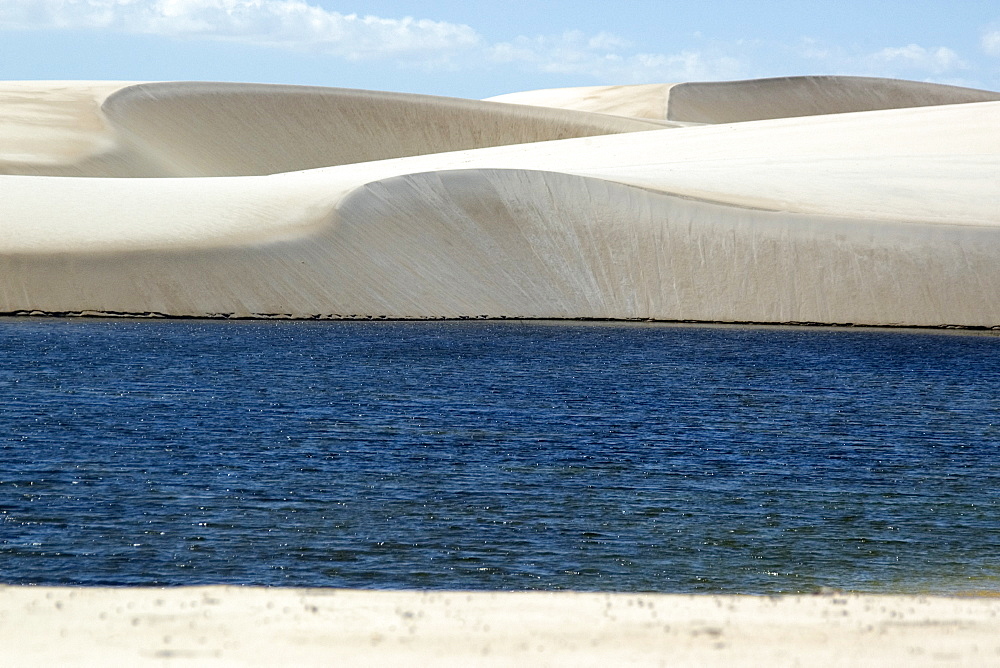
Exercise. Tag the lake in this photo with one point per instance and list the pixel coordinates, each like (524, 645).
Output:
(498, 455)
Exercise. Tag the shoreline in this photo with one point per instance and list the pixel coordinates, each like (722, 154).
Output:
(230, 625)
(39, 316)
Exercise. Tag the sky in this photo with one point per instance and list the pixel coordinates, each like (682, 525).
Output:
(464, 48)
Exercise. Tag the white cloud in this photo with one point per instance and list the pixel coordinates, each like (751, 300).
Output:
(938, 60)
(608, 41)
(991, 42)
(299, 25)
(304, 25)
(607, 57)
(913, 61)
(291, 24)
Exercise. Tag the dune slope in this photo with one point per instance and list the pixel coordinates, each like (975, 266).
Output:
(786, 97)
(751, 100)
(862, 218)
(635, 101)
(522, 243)
(228, 129)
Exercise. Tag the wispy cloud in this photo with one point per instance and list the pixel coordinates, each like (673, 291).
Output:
(937, 60)
(291, 24)
(609, 57)
(990, 42)
(303, 25)
(912, 61)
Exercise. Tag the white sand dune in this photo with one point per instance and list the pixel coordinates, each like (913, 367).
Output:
(635, 101)
(483, 209)
(235, 626)
(785, 97)
(228, 129)
(751, 100)
(52, 123)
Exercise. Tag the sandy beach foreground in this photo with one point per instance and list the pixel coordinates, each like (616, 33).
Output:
(223, 626)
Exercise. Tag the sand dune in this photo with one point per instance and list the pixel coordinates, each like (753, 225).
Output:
(226, 129)
(635, 101)
(53, 123)
(753, 100)
(222, 626)
(864, 218)
(786, 97)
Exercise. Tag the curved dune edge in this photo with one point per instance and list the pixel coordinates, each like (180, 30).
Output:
(230, 129)
(713, 102)
(528, 244)
(634, 101)
(220, 626)
(53, 122)
(789, 97)
(863, 218)
(877, 166)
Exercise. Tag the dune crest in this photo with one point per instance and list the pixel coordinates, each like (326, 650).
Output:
(712, 102)
(329, 203)
(51, 123)
(228, 129)
(636, 101)
(787, 97)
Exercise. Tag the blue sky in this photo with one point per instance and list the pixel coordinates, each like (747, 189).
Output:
(477, 49)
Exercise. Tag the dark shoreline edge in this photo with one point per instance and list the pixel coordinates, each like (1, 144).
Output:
(336, 317)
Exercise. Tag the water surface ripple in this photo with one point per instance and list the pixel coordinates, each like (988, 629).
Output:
(498, 455)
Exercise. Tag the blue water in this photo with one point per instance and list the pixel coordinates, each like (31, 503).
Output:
(498, 455)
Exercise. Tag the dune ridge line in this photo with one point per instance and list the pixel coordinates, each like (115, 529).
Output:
(826, 200)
